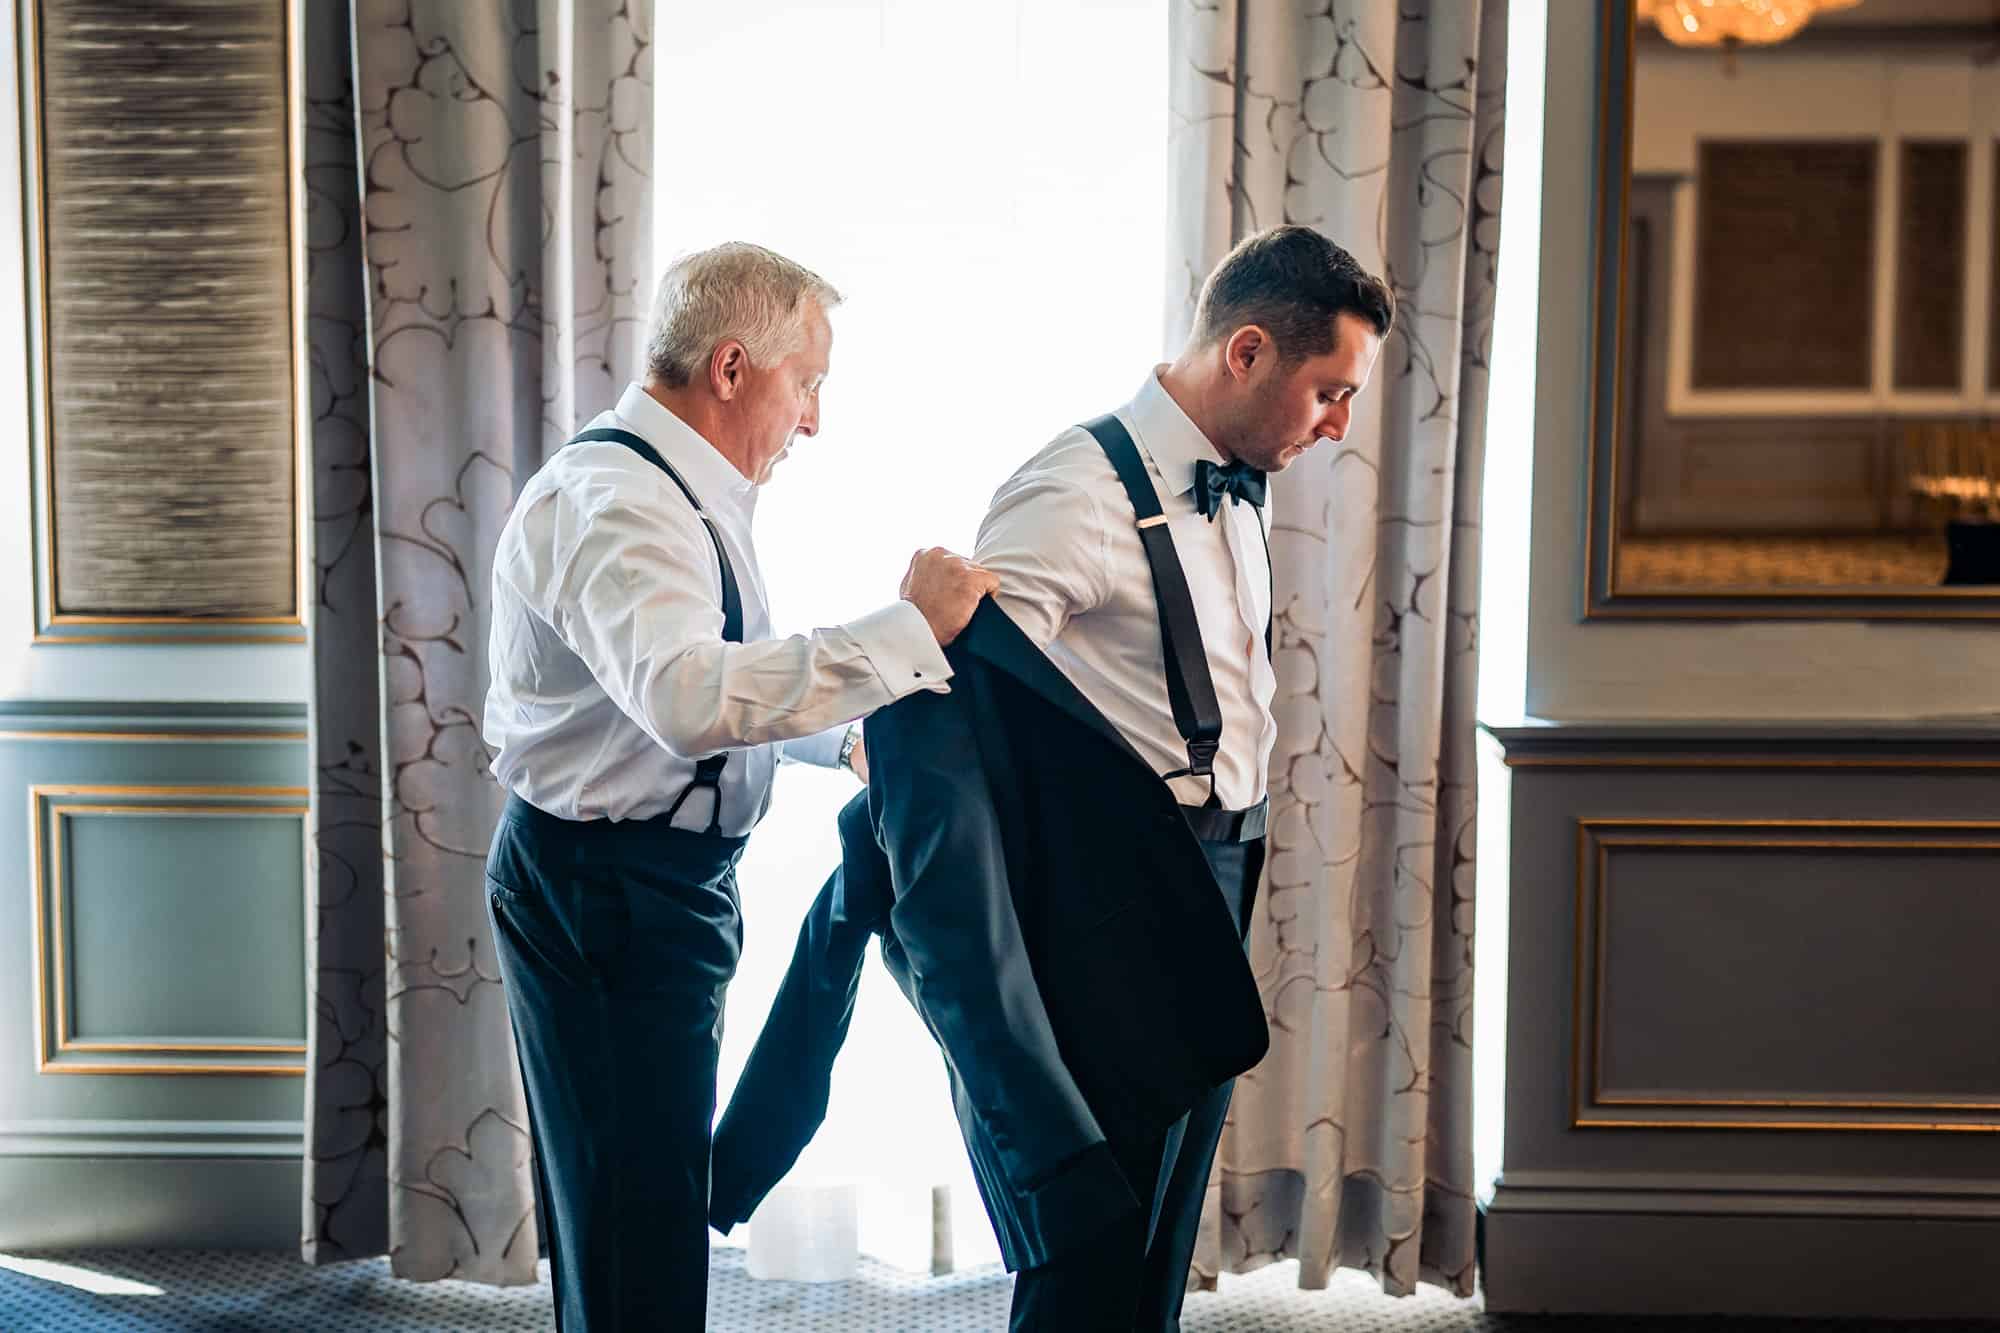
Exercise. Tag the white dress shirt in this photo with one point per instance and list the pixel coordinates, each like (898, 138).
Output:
(1064, 541)
(610, 676)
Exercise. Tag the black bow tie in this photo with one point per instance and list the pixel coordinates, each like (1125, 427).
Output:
(1212, 481)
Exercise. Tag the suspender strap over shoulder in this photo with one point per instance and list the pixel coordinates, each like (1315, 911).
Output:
(1190, 687)
(707, 772)
(732, 598)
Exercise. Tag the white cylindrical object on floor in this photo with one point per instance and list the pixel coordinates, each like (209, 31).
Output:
(941, 1248)
(806, 1233)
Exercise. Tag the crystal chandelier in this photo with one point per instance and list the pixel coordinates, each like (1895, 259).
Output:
(1730, 23)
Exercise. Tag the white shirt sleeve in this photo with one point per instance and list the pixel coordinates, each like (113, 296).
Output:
(631, 590)
(821, 750)
(1044, 538)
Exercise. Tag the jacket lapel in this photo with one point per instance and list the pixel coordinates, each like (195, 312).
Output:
(996, 640)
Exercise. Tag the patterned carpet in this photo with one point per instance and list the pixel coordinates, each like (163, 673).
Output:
(1668, 564)
(193, 1291)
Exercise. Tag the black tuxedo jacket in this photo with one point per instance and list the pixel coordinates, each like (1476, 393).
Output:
(1043, 904)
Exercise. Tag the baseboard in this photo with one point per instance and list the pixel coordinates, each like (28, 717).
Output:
(152, 1138)
(1800, 1248)
(50, 1202)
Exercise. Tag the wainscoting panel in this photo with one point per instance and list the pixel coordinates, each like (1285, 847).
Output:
(152, 874)
(1787, 974)
(169, 928)
(1749, 1056)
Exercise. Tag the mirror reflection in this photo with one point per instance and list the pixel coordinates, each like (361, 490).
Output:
(1810, 363)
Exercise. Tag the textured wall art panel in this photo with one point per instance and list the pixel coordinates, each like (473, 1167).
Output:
(166, 277)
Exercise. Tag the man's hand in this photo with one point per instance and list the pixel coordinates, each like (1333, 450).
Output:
(947, 589)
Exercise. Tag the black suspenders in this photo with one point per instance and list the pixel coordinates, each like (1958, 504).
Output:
(707, 772)
(1190, 686)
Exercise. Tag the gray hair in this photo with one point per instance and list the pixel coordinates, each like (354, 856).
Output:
(735, 290)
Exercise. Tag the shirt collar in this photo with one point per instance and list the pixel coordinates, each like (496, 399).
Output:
(1164, 431)
(715, 479)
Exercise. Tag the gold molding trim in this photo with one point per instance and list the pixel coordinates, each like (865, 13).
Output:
(45, 602)
(1865, 606)
(1602, 600)
(53, 1036)
(38, 897)
(95, 789)
(1594, 839)
(1743, 761)
(1616, 24)
(62, 618)
(43, 640)
(1900, 1126)
(179, 737)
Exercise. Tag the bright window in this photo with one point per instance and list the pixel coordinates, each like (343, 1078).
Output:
(986, 184)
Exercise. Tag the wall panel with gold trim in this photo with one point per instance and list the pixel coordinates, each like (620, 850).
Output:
(153, 902)
(1784, 974)
(169, 929)
(1749, 998)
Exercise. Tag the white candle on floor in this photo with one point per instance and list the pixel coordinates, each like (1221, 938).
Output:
(806, 1233)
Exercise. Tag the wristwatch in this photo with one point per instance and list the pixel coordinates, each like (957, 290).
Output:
(847, 744)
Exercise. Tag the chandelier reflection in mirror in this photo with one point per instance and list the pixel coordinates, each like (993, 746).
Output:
(1728, 23)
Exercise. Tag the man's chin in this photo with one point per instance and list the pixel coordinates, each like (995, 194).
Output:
(772, 466)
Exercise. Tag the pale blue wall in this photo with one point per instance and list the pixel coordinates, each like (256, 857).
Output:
(182, 929)
(171, 900)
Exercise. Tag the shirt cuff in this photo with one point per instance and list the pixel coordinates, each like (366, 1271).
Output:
(905, 654)
(821, 750)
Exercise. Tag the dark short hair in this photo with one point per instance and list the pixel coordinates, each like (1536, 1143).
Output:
(1291, 282)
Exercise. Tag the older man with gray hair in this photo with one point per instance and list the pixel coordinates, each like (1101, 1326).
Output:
(639, 703)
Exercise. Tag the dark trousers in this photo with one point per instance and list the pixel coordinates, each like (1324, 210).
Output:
(615, 942)
(1134, 1275)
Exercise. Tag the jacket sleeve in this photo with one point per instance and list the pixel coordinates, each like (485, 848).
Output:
(954, 921)
(780, 1100)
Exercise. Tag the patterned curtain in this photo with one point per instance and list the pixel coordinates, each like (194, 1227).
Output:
(478, 285)
(1379, 124)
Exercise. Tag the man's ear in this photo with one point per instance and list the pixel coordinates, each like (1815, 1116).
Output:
(1246, 349)
(726, 367)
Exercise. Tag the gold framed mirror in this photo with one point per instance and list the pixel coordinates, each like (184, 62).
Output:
(1795, 371)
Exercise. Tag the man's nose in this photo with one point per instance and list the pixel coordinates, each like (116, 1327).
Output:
(809, 422)
(1333, 426)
